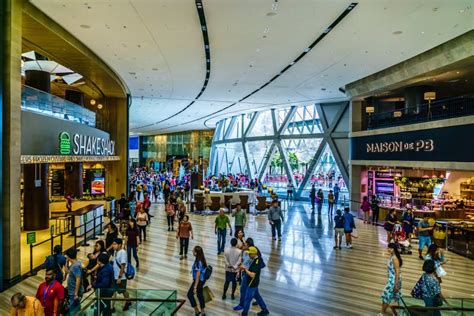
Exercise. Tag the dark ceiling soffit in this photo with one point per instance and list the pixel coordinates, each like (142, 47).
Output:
(207, 50)
(45, 21)
(306, 51)
(384, 80)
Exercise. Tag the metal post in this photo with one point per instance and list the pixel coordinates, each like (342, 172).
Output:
(85, 244)
(31, 260)
(75, 239)
(101, 230)
(52, 244)
(61, 240)
(93, 229)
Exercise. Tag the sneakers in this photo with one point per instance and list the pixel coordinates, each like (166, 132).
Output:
(181, 257)
(264, 312)
(254, 303)
(340, 247)
(335, 247)
(350, 246)
(232, 296)
(224, 297)
(238, 308)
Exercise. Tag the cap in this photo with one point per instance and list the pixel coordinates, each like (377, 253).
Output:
(252, 250)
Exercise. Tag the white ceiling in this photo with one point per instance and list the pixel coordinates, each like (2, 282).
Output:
(157, 47)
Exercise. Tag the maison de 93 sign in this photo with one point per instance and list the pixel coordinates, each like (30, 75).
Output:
(85, 145)
(451, 143)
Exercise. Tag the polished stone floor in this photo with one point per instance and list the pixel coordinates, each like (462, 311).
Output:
(304, 275)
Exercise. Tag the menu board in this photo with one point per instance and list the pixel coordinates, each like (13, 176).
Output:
(57, 183)
(94, 182)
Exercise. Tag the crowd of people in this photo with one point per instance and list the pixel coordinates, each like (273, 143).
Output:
(109, 266)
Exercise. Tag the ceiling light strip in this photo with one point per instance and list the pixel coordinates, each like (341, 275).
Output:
(207, 51)
(306, 51)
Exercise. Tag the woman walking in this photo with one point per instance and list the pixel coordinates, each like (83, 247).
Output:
(392, 290)
(132, 234)
(365, 207)
(196, 288)
(390, 222)
(142, 222)
(185, 230)
(431, 288)
(170, 215)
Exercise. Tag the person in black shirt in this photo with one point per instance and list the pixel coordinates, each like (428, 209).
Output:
(253, 280)
(122, 202)
(112, 234)
(339, 222)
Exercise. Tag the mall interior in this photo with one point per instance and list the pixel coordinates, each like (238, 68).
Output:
(335, 134)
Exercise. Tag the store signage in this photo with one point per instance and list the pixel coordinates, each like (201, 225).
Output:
(85, 145)
(435, 144)
(30, 238)
(400, 146)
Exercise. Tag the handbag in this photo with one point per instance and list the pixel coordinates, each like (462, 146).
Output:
(417, 291)
(207, 294)
(440, 272)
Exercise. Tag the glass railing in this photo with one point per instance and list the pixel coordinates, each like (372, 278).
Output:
(437, 110)
(143, 302)
(38, 101)
(452, 306)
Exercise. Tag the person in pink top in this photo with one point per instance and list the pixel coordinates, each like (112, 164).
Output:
(365, 207)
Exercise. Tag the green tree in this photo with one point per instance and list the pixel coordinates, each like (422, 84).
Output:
(293, 161)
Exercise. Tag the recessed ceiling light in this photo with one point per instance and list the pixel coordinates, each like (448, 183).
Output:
(92, 102)
(397, 32)
(422, 32)
(457, 72)
(99, 106)
(461, 11)
(85, 26)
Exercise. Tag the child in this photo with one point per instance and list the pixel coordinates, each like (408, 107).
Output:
(349, 225)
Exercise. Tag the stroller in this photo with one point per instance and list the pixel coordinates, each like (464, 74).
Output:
(400, 238)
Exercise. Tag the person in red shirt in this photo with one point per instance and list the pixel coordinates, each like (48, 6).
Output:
(50, 293)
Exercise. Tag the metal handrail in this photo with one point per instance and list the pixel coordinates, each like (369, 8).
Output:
(436, 110)
(115, 299)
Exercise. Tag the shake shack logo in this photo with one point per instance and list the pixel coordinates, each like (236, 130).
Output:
(84, 145)
(64, 143)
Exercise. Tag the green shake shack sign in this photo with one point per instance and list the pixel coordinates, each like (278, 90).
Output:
(85, 145)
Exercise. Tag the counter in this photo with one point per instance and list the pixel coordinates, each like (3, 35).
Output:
(455, 214)
(80, 216)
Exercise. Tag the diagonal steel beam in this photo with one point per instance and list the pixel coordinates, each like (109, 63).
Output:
(310, 169)
(286, 164)
(265, 161)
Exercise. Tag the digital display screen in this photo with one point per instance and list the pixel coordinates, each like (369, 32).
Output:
(98, 186)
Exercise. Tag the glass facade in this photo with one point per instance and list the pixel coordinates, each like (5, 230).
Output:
(296, 145)
(190, 148)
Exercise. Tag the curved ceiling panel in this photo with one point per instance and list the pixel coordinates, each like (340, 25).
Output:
(157, 47)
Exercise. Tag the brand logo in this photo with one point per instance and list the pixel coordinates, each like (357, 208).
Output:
(426, 145)
(64, 143)
(85, 145)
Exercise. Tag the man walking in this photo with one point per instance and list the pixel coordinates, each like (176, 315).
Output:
(75, 287)
(50, 293)
(312, 196)
(23, 305)
(240, 219)
(253, 280)
(119, 261)
(232, 259)
(336, 190)
(275, 217)
(220, 229)
(424, 238)
(104, 283)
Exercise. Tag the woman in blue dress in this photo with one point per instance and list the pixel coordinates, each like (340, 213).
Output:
(392, 290)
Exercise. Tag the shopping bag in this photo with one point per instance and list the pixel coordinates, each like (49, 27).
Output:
(440, 272)
(207, 294)
(355, 234)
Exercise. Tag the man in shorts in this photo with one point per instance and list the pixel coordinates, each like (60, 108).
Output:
(338, 229)
(424, 238)
(119, 262)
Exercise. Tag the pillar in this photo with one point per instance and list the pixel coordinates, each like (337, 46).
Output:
(35, 179)
(38, 79)
(10, 102)
(36, 213)
(75, 97)
(73, 181)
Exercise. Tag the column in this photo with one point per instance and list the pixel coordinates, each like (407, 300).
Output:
(35, 177)
(10, 101)
(35, 197)
(73, 181)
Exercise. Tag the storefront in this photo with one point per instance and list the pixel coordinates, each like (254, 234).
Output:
(427, 168)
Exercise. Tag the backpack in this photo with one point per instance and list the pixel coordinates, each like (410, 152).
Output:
(129, 272)
(51, 263)
(208, 272)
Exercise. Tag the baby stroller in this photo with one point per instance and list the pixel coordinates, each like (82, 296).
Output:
(400, 238)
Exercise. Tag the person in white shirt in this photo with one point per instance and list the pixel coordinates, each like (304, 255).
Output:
(119, 262)
(232, 259)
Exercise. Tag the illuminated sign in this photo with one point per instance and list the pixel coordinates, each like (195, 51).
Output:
(449, 143)
(85, 145)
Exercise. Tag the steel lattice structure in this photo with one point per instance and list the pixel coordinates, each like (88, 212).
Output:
(302, 142)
